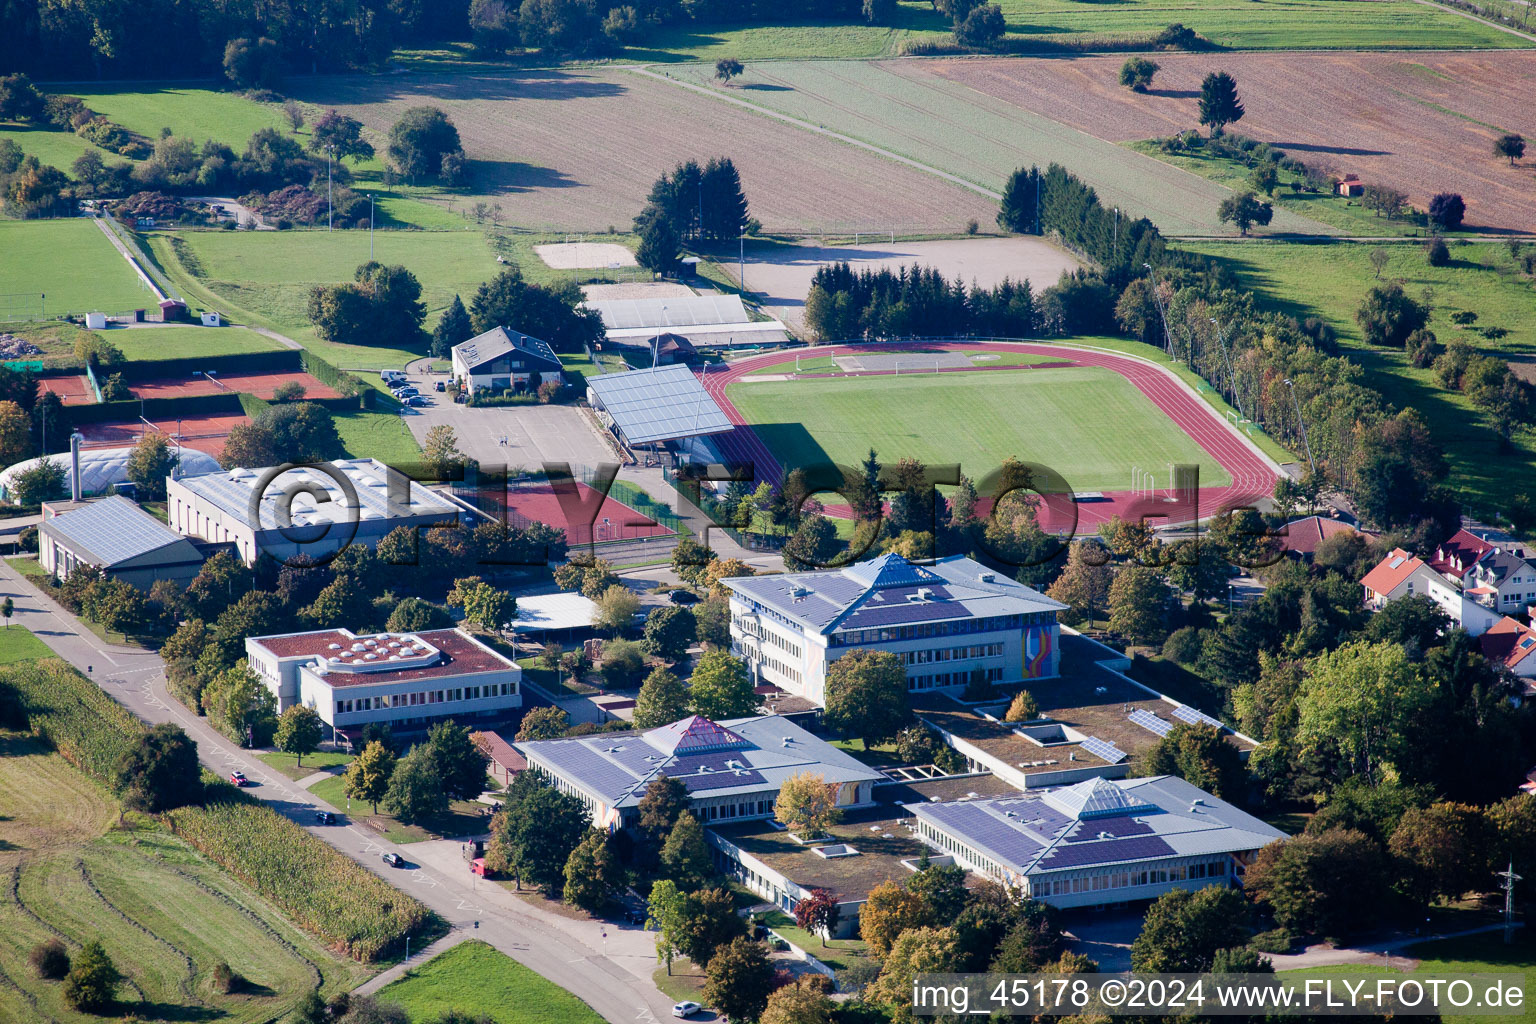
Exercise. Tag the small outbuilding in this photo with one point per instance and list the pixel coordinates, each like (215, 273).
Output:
(119, 538)
(1349, 185)
(213, 319)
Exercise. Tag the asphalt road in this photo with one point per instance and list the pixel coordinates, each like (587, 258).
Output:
(618, 987)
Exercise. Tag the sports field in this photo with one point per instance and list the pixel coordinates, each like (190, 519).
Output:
(176, 342)
(1089, 424)
(69, 261)
(166, 916)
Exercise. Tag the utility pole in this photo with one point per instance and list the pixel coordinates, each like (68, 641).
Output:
(330, 151)
(1303, 425)
(741, 275)
(1162, 312)
(1508, 885)
(370, 227)
(1226, 357)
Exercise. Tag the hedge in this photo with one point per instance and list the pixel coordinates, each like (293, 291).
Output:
(226, 403)
(285, 360)
(72, 714)
(325, 892)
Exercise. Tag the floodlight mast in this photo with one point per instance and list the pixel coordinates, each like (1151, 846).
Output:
(1302, 423)
(1162, 314)
(1226, 356)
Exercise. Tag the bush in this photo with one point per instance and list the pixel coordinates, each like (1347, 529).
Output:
(226, 980)
(1437, 253)
(27, 538)
(1183, 645)
(549, 390)
(49, 959)
(1277, 940)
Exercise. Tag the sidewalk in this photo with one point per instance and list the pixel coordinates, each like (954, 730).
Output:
(442, 945)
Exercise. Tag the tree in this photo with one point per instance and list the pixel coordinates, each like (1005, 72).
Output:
(16, 433)
(1444, 848)
(1138, 600)
(623, 662)
(724, 213)
(890, 910)
(1511, 146)
(1202, 757)
(453, 328)
(7, 609)
(415, 789)
(539, 832)
(807, 805)
(341, 136)
(485, 606)
(239, 704)
(1265, 178)
(593, 874)
(298, 732)
(819, 913)
(1379, 259)
(982, 27)
(669, 630)
(1446, 211)
(414, 615)
(1359, 705)
(721, 688)
(1085, 580)
(804, 1000)
(1330, 883)
(665, 800)
(253, 63)
(420, 140)
(727, 68)
(43, 482)
(367, 777)
(690, 560)
(664, 913)
(1436, 253)
(1136, 73)
(942, 890)
(1023, 708)
(91, 985)
(1243, 211)
(740, 976)
(458, 761)
(440, 449)
(813, 545)
(707, 921)
(1183, 930)
(545, 723)
(660, 247)
(1388, 315)
(685, 856)
(866, 695)
(549, 313)
(924, 950)
(616, 609)
(662, 699)
(342, 603)
(159, 771)
(50, 959)
(1219, 102)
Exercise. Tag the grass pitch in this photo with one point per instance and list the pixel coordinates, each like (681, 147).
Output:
(69, 261)
(1089, 424)
(475, 979)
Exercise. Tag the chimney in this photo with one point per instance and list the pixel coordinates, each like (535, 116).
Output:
(74, 465)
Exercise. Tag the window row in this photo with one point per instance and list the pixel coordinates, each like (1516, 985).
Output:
(936, 680)
(923, 630)
(1126, 879)
(743, 809)
(954, 653)
(410, 700)
(789, 673)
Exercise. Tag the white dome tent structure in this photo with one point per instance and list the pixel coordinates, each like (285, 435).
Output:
(102, 468)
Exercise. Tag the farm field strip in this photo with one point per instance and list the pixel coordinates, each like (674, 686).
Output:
(599, 138)
(900, 107)
(1366, 113)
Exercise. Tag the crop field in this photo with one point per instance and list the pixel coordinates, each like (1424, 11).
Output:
(588, 144)
(1044, 25)
(1090, 424)
(1328, 281)
(69, 261)
(476, 979)
(166, 916)
(1360, 112)
(903, 108)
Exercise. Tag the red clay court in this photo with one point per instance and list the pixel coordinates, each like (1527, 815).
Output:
(206, 432)
(614, 521)
(71, 390)
(261, 384)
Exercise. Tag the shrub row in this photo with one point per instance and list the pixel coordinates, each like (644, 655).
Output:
(72, 714)
(286, 360)
(323, 371)
(223, 404)
(322, 890)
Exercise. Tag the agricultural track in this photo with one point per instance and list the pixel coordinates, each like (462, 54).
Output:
(1253, 475)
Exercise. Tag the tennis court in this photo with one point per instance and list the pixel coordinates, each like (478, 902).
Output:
(206, 432)
(613, 521)
(261, 384)
(74, 390)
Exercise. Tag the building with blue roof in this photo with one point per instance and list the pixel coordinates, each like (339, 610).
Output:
(732, 769)
(1101, 841)
(947, 620)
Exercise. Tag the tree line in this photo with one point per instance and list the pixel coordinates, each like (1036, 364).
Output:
(693, 204)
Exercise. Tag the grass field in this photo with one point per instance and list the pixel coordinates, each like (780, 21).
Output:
(319, 761)
(476, 979)
(1089, 424)
(1330, 280)
(175, 342)
(381, 435)
(166, 916)
(902, 107)
(69, 261)
(463, 818)
(18, 643)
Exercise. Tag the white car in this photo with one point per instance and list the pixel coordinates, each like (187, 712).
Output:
(687, 1008)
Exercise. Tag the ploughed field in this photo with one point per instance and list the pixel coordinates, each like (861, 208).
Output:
(1423, 123)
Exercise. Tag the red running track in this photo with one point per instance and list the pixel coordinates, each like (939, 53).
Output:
(1252, 475)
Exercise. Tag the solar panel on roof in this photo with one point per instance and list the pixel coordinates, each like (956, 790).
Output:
(1150, 722)
(1184, 713)
(1103, 750)
(1133, 848)
(692, 311)
(659, 404)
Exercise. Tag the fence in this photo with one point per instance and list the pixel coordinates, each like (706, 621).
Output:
(289, 360)
(227, 404)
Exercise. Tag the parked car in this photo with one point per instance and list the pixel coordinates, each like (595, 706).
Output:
(414, 400)
(394, 860)
(478, 867)
(681, 596)
(442, 385)
(238, 778)
(387, 375)
(404, 393)
(686, 1008)
(325, 818)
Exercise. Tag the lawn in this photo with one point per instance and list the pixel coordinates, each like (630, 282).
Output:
(319, 761)
(476, 979)
(71, 263)
(18, 643)
(166, 915)
(54, 148)
(1089, 424)
(188, 111)
(838, 954)
(1329, 281)
(381, 435)
(464, 817)
(176, 342)
(686, 982)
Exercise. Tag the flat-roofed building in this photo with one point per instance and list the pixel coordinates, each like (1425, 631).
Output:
(408, 680)
(1101, 841)
(946, 621)
(117, 537)
(732, 769)
(314, 510)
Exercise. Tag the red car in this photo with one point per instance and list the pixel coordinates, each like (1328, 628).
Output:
(238, 778)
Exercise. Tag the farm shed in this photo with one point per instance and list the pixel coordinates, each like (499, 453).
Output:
(1350, 185)
(718, 321)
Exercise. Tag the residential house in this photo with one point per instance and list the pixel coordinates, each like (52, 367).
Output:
(501, 360)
